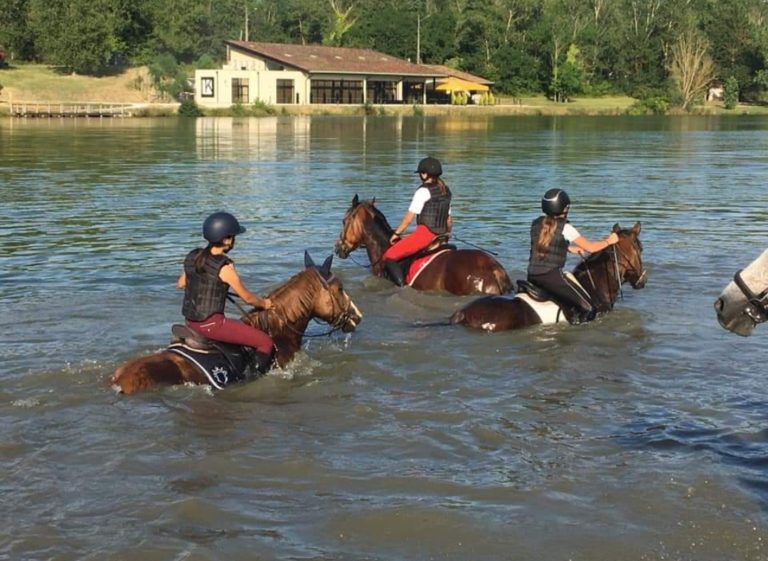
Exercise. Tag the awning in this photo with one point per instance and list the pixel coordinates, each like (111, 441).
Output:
(453, 84)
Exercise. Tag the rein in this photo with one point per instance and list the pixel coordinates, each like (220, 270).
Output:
(757, 304)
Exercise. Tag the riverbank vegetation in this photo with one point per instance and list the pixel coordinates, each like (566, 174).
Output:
(665, 53)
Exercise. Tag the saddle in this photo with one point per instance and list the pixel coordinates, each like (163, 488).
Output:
(440, 243)
(222, 363)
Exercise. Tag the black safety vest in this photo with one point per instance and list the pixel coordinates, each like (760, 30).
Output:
(557, 251)
(205, 293)
(434, 215)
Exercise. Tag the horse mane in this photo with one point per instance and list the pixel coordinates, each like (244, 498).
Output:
(379, 218)
(294, 301)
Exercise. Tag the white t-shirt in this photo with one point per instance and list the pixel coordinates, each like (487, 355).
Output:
(420, 197)
(570, 233)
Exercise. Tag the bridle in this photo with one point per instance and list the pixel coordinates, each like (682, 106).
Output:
(342, 240)
(757, 304)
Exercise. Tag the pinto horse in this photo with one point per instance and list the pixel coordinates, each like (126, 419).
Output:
(458, 271)
(743, 303)
(601, 276)
(312, 293)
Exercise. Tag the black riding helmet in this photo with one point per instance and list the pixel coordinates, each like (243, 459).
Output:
(220, 225)
(555, 202)
(430, 166)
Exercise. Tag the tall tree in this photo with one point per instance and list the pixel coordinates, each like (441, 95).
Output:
(691, 67)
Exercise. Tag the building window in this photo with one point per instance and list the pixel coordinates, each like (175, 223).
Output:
(240, 90)
(381, 92)
(336, 91)
(285, 91)
(206, 87)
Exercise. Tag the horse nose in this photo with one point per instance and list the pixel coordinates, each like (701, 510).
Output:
(340, 250)
(719, 305)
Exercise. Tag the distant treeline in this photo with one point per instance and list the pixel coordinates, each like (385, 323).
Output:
(645, 48)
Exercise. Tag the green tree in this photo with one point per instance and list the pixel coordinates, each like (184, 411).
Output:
(77, 35)
(731, 93)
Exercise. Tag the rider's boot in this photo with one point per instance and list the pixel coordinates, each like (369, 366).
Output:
(262, 361)
(394, 272)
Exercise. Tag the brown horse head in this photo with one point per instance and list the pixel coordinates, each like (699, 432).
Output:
(629, 252)
(363, 225)
(312, 293)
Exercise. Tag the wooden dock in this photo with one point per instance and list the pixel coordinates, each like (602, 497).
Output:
(66, 110)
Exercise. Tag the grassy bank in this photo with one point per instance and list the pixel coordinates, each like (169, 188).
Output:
(34, 83)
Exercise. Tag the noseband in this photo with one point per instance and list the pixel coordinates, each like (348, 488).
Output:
(757, 304)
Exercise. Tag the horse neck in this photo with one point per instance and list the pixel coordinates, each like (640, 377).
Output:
(376, 240)
(598, 277)
(292, 308)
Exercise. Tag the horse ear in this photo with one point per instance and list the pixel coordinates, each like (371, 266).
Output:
(355, 200)
(325, 270)
(308, 262)
(616, 228)
(636, 229)
(373, 201)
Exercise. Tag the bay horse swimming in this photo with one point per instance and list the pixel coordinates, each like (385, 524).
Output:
(313, 293)
(457, 271)
(743, 303)
(600, 275)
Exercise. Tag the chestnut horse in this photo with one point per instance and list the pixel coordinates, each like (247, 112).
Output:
(459, 271)
(312, 293)
(601, 275)
(743, 303)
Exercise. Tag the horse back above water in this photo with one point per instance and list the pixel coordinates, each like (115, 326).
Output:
(458, 271)
(601, 275)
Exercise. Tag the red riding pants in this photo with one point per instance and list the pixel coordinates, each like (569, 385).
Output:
(220, 328)
(418, 240)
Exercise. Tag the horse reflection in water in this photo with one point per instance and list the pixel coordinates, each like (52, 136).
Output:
(457, 271)
(312, 293)
(743, 303)
(601, 276)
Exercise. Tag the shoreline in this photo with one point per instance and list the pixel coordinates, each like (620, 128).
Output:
(577, 108)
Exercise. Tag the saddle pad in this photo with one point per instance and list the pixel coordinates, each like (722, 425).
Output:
(220, 370)
(419, 265)
(548, 311)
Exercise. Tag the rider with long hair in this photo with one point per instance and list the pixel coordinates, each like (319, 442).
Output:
(431, 206)
(206, 279)
(552, 237)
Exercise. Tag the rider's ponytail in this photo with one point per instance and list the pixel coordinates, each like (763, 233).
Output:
(548, 228)
(440, 183)
(201, 257)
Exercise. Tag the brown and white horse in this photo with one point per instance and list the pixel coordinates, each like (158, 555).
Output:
(312, 293)
(743, 303)
(601, 276)
(458, 271)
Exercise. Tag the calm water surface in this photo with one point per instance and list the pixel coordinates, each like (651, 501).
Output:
(641, 436)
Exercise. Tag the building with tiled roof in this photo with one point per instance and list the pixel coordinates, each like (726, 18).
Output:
(277, 73)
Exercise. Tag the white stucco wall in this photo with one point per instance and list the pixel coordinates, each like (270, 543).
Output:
(262, 85)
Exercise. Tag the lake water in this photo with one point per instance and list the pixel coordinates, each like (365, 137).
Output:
(640, 436)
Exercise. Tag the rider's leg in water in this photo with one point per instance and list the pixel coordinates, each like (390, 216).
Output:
(394, 272)
(576, 307)
(407, 246)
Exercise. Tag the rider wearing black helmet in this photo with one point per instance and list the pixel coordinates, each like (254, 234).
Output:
(206, 279)
(431, 206)
(552, 237)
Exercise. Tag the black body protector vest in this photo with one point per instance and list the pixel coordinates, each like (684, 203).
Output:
(205, 293)
(434, 215)
(556, 253)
